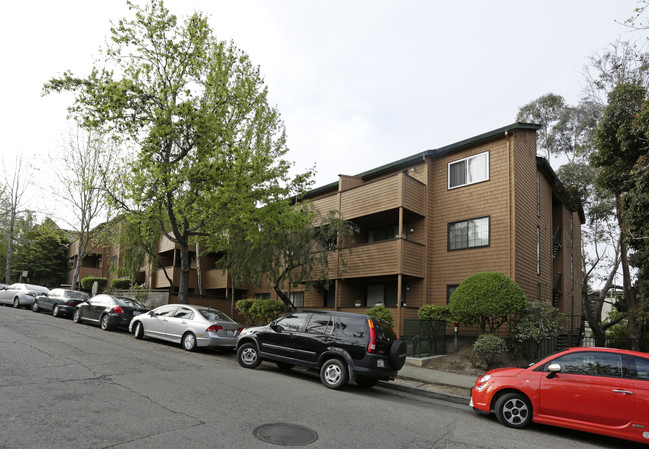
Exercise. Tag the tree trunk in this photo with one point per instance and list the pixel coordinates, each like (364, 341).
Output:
(631, 300)
(10, 246)
(199, 275)
(288, 305)
(185, 263)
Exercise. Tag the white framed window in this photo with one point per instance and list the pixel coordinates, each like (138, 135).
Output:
(469, 170)
(468, 234)
(297, 298)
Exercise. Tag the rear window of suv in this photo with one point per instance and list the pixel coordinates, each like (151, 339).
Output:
(353, 326)
(383, 331)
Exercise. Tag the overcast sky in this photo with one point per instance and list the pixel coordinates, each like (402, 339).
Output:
(359, 83)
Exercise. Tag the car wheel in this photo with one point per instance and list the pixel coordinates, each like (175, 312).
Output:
(16, 303)
(284, 366)
(366, 382)
(76, 316)
(247, 356)
(35, 307)
(138, 330)
(398, 353)
(514, 410)
(55, 311)
(104, 323)
(333, 374)
(189, 342)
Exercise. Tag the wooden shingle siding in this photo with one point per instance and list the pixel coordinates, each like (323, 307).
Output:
(370, 198)
(413, 258)
(325, 204)
(413, 195)
(484, 199)
(372, 259)
(215, 278)
(527, 220)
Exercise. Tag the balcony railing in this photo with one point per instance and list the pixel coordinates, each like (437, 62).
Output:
(399, 190)
(388, 257)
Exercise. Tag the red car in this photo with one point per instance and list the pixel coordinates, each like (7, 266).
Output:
(598, 390)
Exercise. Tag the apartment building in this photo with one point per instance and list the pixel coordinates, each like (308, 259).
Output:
(429, 221)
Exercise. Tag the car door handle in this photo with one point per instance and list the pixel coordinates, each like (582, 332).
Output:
(328, 340)
(622, 391)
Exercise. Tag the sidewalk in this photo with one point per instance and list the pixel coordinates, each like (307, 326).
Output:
(433, 383)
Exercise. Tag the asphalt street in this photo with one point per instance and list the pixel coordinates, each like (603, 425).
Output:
(67, 385)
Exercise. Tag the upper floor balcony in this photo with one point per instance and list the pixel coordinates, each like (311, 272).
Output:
(388, 257)
(391, 192)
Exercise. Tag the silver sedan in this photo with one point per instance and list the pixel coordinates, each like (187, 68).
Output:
(191, 326)
(21, 295)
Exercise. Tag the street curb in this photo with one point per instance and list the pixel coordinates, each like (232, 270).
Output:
(421, 392)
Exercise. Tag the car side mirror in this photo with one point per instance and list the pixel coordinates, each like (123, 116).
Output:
(152, 313)
(554, 368)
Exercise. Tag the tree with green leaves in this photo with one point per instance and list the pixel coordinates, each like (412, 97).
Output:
(619, 145)
(209, 149)
(286, 246)
(42, 252)
(487, 300)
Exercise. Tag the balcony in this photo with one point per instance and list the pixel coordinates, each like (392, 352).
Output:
(215, 278)
(385, 258)
(392, 192)
(159, 280)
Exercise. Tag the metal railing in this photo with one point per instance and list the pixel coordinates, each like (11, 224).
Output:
(425, 338)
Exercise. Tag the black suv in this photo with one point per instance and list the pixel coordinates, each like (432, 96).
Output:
(341, 346)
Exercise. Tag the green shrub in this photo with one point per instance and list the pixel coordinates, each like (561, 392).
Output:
(536, 321)
(488, 348)
(266, 310)
(486, 300)
(243, 306)
(120, 284)
(86, 283)
(381, 313)
(434, 312)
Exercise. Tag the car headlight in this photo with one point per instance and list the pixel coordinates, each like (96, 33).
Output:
(484, 378)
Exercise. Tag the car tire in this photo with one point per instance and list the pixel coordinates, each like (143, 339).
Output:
(284, 366)
(104, 322)
(138, 330)
(248, 356)
(333, 374)
(55, 311)
(35, 307)
(76, 316)
(16, 303)
(514, 410)
(398, 354)
(189, 342)
(366, 382)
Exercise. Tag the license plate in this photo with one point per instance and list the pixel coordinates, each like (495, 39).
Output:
(380, 363)
(137, 313)
(229, 333)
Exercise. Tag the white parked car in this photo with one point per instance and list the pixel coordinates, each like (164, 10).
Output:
(21, 295)
(191, 326)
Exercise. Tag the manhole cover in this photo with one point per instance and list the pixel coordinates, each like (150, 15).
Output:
(285, 434)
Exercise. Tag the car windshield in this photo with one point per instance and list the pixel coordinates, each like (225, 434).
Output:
(215, 315)
(127, 302)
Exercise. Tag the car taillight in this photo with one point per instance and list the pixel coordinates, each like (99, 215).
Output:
(371, 347)
(118, 309)
(30, 294)
(213, 328)
(70, 303)
(240, 329)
